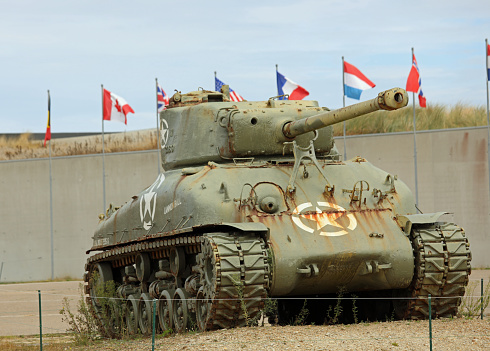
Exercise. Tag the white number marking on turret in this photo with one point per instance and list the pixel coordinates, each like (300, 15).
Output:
(318, 219)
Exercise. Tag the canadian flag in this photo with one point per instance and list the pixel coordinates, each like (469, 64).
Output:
(115, 107)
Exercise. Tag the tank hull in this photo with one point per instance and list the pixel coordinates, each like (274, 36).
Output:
(359, 246)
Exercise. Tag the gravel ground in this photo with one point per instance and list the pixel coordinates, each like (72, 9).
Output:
(19, 316)
(456, 334)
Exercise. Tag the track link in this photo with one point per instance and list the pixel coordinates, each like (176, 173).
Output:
(442, 269)
(240, 278)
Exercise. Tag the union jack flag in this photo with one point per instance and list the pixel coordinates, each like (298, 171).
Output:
(414, 83)
(234, 96)
(162, 99)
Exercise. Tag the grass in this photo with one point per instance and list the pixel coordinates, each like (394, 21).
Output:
(430, 118)
(24, 147)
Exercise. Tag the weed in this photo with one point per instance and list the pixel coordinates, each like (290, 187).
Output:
(354, 308)
(83, 324)
(394, 343)
(166, 333)
(249, 321)
(270, 310)
(302, 315)
(338, 309)
(103, 317)
(471, 303)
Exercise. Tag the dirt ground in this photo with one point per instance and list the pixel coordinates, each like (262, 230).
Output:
(19, 315)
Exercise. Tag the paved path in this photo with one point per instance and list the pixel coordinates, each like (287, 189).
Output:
(19, 304)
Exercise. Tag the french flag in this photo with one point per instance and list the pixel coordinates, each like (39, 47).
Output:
(355, 82)
(288, 87)
(488, 61)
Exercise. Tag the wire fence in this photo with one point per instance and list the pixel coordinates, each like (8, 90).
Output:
(37, 313)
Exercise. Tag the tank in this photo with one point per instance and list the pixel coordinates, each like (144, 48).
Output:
(254, 204)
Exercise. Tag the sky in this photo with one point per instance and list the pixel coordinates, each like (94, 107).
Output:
(71, 48)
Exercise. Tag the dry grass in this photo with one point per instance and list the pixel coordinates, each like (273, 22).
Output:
(51, 342)
(432, 117)
(24, 147)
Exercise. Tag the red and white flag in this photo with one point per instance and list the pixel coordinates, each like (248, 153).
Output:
(414, 83)
(115, 107)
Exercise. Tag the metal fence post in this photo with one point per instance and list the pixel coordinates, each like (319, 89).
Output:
(430, 322)
(154, 319)
(40, 323)
(481, 299)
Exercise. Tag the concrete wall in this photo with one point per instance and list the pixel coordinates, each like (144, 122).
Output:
(452, 176)
(25, 233)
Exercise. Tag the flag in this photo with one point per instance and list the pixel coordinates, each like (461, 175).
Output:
(414, 83)
(488, 61)
(234, 96)
(48, 128)
(162, 99)
(288, 87)
(355, 82)
(115, 107)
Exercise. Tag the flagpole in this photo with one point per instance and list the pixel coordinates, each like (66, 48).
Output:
(158, 125)
(343, 99)
(51, 192)
(415, 148)
(488, 115)
(103, 152)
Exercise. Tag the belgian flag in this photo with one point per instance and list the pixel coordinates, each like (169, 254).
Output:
(48, 128)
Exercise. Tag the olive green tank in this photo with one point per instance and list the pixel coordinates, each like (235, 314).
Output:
(255, 203)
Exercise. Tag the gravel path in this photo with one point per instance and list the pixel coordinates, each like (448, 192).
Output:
(459, 334)
(456, 334)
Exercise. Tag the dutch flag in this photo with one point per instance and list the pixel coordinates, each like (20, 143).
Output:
(355, 82)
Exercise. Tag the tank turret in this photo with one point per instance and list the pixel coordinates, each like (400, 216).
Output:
(204, 126)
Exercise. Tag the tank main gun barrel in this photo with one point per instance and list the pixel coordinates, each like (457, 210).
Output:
(392, 99)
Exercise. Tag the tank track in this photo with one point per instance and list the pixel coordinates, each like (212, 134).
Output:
(239, 269)
(241, 279)
(442, 269)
